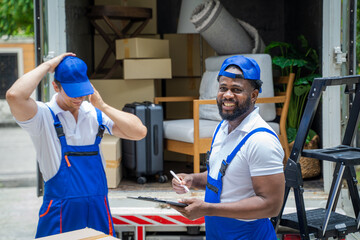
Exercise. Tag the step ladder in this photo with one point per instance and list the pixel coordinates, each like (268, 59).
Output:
(324, 223)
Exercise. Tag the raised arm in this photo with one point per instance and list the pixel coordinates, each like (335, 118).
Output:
(18, 96)
(126, 125)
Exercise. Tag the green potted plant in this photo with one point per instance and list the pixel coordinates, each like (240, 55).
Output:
(303, 61)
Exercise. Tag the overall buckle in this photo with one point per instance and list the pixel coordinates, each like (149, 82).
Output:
(223, 168)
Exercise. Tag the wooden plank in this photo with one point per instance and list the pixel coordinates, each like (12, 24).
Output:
(277, 99)
(281, 80)
(205, 144)
(179, 147)
(158, 100)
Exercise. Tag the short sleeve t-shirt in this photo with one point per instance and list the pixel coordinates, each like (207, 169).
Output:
(47, 144)
(262, 154)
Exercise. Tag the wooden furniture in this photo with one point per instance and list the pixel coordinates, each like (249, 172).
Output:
(108, 14)
(202, 145)
(282, 112)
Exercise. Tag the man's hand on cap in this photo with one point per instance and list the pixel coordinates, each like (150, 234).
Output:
(54, 62)
(96, 100)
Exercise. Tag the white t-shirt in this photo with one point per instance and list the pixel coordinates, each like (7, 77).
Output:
(262, 154)
(47, 144)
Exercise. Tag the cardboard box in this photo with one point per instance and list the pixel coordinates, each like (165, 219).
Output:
(142, 48)
(110, 147)
(185, 54)
(86, 233)
(113, 171)
(100, 47)
(117, 92)
(147, 68)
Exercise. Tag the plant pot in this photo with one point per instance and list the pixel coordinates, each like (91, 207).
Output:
(310, 167)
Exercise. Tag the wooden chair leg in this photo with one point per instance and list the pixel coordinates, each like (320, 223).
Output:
(196, 163)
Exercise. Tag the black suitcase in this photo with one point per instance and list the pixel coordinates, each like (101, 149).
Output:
(145, 157)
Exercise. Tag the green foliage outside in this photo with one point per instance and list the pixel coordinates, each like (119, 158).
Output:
(302, 60)
(16, 18)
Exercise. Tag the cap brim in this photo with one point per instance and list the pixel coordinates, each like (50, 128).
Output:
(78, 89)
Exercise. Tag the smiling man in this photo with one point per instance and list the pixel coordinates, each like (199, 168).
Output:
(66, 133)
(244, 182)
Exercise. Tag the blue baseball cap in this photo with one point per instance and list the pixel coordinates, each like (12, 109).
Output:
(71, 73)
(248, 66)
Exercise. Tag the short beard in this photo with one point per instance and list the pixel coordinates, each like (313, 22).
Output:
(239, 110)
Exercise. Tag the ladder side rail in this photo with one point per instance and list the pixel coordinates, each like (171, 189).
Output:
(315, 93)
(293, 179)
(350, 176)
(333, 195)
(335, 175)
(353, 118)
(301, 213)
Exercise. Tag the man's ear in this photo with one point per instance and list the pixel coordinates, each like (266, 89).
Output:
(254, 95)
(56, 88)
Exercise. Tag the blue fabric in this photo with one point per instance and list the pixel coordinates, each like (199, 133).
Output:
(72, 74)
(230, 228)
(76, 197)
(248, 66)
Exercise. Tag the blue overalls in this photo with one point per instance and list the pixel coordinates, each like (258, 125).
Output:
(230, 228)
(76, 197)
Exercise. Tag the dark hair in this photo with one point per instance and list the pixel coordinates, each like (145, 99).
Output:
(256, 84)
(57, 83)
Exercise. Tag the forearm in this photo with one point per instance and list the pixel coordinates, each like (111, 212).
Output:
(126, 125)
(199, 180)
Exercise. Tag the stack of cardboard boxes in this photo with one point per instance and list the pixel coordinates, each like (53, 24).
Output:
(178, 58)
(144, 58)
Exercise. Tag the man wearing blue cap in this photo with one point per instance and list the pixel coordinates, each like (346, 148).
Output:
(66, 133)
(244, 184)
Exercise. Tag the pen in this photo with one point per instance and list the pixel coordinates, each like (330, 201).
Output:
(177, 178)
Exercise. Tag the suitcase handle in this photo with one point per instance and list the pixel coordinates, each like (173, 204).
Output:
(156, 139)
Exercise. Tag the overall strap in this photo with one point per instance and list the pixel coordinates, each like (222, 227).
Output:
(212, 142)
(101, 129)
(58, 128)
(231, 156)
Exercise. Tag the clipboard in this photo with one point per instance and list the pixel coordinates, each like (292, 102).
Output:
(178, 204)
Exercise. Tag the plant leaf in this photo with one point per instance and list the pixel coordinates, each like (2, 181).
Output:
(274, 44)
(283, 62)
(299, 62)
(301, 89)
(291, 134)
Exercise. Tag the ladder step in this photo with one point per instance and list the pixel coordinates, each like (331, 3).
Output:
(315, 218)
(346, 154)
